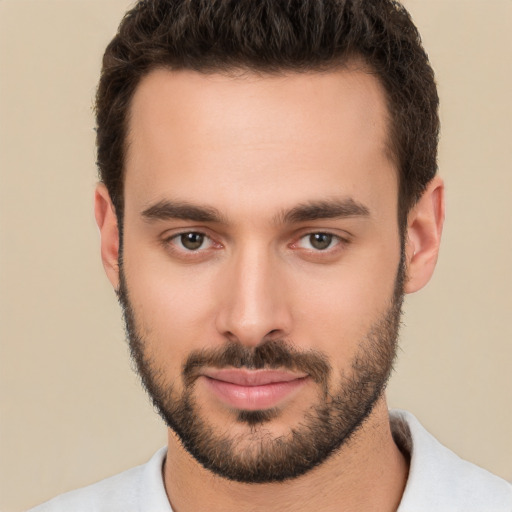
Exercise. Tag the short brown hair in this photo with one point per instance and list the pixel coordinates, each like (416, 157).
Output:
(274, 36)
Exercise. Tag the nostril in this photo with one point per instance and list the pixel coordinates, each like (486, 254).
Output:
(274, 334)
(231, 337)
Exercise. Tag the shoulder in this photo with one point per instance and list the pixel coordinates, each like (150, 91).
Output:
(439, 480)
(132, 490)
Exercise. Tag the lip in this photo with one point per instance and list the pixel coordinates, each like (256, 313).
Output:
(253, 389)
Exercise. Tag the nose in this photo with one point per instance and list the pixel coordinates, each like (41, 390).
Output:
(253, 306)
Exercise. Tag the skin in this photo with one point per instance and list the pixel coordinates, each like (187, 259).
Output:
(302, 138)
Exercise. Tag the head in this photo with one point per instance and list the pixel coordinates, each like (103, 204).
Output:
(268, 196)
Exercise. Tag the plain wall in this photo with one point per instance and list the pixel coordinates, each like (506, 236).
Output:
(72, 411)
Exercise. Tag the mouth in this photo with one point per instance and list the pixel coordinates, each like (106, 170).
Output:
(253, 390)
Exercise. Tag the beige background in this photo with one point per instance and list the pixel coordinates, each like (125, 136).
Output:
(71, 410)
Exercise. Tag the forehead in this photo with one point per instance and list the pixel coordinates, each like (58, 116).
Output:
(272, 136)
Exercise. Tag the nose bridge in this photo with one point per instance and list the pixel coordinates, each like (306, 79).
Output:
(254, 307)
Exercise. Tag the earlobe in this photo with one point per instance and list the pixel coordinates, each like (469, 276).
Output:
(107, 223)
(424, 228)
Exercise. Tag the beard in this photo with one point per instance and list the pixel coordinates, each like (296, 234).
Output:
(256, 455)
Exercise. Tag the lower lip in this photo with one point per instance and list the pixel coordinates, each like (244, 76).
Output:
(254, 398)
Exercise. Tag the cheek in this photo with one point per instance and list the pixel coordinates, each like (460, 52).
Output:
(339, 308)
(173, 307)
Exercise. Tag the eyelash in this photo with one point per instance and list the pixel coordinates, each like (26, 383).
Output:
(171, 243)
(330, 246)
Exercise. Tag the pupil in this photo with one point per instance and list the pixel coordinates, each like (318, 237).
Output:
(320, 241)
(192, 241)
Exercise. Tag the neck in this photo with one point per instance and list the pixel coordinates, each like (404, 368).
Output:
(367, 473)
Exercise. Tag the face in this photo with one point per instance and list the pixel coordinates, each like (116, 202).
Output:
(261, 273)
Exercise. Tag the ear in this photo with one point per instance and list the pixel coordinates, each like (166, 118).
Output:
(424, 228)
(106, 219)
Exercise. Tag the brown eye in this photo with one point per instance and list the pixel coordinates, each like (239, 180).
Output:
(192, 241)
(320, 241)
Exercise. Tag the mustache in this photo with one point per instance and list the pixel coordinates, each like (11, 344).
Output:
(271, 354)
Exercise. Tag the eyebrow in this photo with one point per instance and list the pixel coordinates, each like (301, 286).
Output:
(326, 209)
(313, 210)
(167, 210)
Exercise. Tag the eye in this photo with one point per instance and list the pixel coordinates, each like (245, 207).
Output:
(318, 241)
(192, 241)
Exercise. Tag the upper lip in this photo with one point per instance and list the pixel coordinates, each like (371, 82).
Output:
(243, 377)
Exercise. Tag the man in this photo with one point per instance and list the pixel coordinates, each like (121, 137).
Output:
(268, 194)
